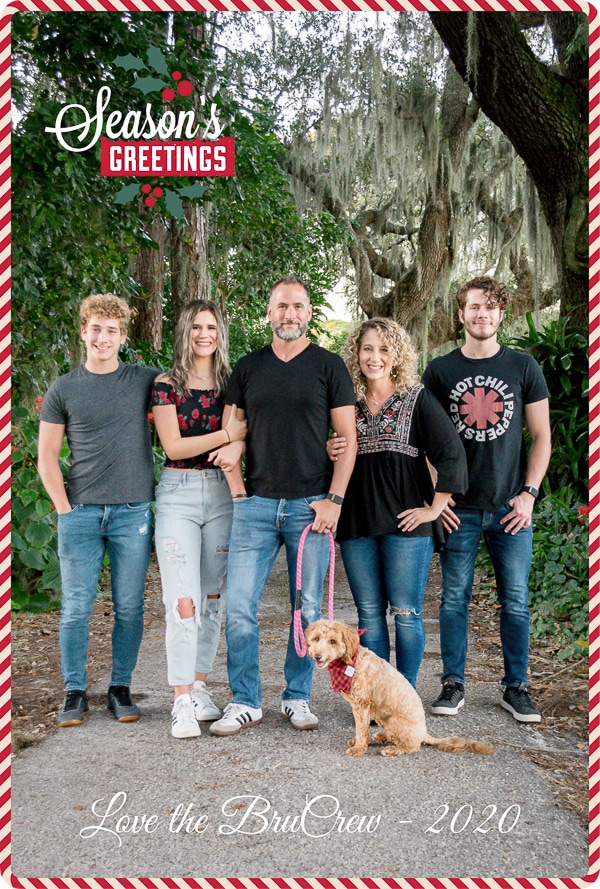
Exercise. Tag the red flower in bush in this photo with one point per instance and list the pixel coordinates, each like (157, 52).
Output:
(151, 418)
(38, 404)
(583, 512)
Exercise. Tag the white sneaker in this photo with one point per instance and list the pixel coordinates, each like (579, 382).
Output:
(298, 713)
(235, 718)
(204, 707)
(183, 721)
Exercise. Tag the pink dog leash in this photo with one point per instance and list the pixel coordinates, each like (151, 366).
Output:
(299, 640)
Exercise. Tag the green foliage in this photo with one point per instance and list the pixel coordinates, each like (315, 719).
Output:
(35, 570)
(559, 573)
(558, 582)
(562, 352)
(70, 239)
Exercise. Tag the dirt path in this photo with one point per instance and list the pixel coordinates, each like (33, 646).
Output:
(427, 815)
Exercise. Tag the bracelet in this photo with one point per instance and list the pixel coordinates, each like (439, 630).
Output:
(228, 435)
(335, 498)
(239, 496)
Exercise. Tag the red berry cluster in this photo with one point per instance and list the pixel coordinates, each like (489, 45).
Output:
(150, 200)
(184, 87)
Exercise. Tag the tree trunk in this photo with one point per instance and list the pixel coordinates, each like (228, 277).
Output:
(544, 115)
(190, 275)
(150, 275)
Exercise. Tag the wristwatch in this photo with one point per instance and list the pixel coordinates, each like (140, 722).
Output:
(335, 498)
(529, 489)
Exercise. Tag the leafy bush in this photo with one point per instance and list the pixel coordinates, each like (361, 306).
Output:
(35, 570)
(562, 352)
(558, 582)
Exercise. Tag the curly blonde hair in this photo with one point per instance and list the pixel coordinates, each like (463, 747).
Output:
(403, 353)
(105, 305)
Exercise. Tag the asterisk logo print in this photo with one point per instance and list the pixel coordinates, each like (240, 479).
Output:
(481, 407)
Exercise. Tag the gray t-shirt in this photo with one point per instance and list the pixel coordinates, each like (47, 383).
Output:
(106, 421)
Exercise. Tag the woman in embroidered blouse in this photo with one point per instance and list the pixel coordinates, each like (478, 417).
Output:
(194, 507)
(391, 509)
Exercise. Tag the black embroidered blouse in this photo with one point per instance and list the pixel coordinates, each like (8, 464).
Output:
(391, 473)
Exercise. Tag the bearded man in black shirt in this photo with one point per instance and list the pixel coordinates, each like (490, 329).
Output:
(290, 392)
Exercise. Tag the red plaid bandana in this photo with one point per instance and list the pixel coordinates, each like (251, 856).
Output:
(341, 674)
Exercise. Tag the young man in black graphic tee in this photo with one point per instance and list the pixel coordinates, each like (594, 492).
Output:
(490, 392)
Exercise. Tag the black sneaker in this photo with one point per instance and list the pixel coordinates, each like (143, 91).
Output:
(451, 699)
(73, 709)
(518, 702)
(119, 701)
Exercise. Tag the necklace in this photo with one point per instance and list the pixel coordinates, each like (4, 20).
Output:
(375, 401)
(198, 377)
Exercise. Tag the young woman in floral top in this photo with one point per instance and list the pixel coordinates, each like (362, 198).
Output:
(194, 507)
(390, 518)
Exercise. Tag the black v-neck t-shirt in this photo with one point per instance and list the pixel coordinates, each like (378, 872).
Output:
(287, 405)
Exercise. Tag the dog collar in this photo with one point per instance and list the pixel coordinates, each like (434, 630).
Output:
(341, 674)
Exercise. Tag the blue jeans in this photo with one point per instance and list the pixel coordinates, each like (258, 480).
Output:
(124, 530)
(390, 570)
(260, 527)
(193, 524)
(511, 558)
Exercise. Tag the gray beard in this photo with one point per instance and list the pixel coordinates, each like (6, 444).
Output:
(290, 335)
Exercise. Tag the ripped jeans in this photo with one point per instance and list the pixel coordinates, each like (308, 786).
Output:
(389, 569)
(193, 525)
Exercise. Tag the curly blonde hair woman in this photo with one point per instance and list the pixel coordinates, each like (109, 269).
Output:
(403, 373)
(391, 511)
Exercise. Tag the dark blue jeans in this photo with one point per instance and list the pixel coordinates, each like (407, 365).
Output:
(511, 558)
(390, 570)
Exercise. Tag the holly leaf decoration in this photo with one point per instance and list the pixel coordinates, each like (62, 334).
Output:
(193, 191)
(174, 204)
(127, 193)
(129, 62)
(149, 84)
(157, 60)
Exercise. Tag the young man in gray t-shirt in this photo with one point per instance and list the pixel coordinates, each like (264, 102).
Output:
(102, 407)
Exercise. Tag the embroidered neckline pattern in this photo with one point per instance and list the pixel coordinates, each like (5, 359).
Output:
(390, 428)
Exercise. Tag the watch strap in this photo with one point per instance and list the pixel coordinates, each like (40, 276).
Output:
(529, 489)
(335, 498)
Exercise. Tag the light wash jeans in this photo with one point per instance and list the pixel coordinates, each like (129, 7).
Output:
(511, 558)
(124, 531)
(193, 524)
(383, 570)
(260, 527)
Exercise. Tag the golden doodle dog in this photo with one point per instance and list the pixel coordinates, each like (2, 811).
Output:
(376, 691)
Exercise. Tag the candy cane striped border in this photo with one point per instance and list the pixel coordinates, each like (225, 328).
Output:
(292, 6)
